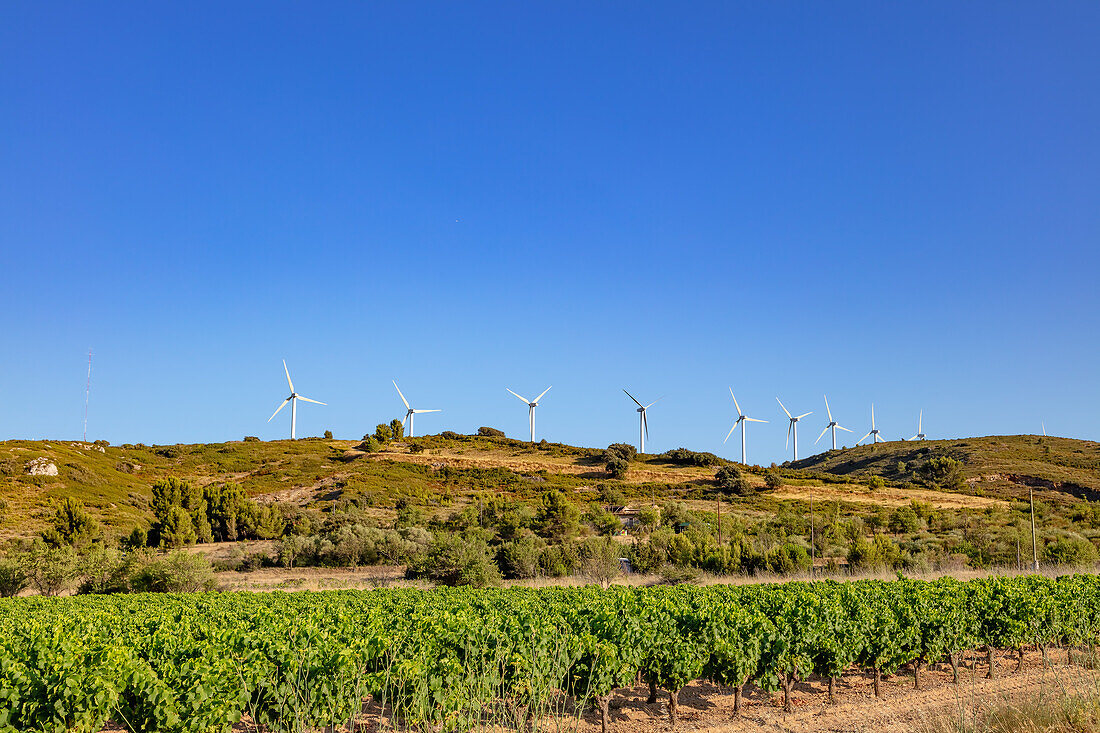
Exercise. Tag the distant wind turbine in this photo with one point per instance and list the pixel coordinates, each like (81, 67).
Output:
(833, 425)
(1044, 429)
(409, 415)
(643, 423)
(920, 427)
(531, 405)
(874, 434)
(792, 428)
(293, 400)
(741, 419)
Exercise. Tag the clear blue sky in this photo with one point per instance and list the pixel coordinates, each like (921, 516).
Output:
(885, 202)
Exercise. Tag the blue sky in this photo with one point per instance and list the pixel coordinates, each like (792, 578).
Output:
(886, 202)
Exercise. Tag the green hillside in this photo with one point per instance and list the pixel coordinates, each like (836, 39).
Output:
(998, 465)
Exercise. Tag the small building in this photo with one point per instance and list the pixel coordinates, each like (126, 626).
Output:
(627, 516)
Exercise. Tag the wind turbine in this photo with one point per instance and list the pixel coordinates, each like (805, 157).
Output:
(531, 405)
(874, 434)
(792, 428)
(643, 424)
(293, 400)
(409, 415)
(920, 427)
(1044, 428)
(833, 425)
(741, 418)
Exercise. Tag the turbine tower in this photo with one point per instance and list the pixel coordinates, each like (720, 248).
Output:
(741, 418)
(409, 415)
(643, 423)
(531, 405)
(792, 428)
(874, 434)
(833, 425)
(293, 400)
(920, 427)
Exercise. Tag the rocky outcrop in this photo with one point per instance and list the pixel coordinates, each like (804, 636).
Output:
(41, 467)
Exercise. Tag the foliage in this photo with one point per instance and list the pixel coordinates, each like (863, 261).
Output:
(487, 432)
(72, 525)
(685, 457)
(772, 480)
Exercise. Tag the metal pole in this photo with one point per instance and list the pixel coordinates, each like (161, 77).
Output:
(813, 550)
(87, 394)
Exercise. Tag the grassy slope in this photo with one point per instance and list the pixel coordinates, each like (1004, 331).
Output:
(998, 465)
(442, 473)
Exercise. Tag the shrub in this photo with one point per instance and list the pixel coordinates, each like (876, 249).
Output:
(137, 539)
(904, 521)
(600, 560)
(942, 472)
(520, 557)
(328, 435)
(251, 439)
(104, 570)
(876, 482)
(731, 480)
(456, 559)
(397, 429)
(370, 444)
(1070, 551)
(72, 525)
(617, 466)
(685, 457)
(487, 432)
(382, 433)
(787, 558)
(13, 577)
(622, 450)
(51, 570)
(176, 572)
(773, 480)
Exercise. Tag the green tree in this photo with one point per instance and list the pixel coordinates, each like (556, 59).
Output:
(13, 575)
(876, 482)
(176, 529)
(557, 518)
(51, 570)
(600, 560)
(773, 480)
(519, 558)
(382, 433)
(904, 521)
(71, 524)
(397, 429)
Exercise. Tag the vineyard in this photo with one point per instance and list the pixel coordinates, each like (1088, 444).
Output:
(463, 659)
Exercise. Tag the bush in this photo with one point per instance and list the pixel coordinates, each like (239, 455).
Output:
(370, 444)
(731, 480)
(328, 435)
(904, 521)
(176, 572)
(617, 466)
(13, 577)
(520, 557)
(600, 560)
(397, 429)
(685, 457)
(876, 482)
(623, 450)
(773, 480)
(459, 560)
(251, 439)
(942, 472)
(1070, 551)
(51, 570)
(787, 558)
(72, 525)
(487, 432)
(382, 433)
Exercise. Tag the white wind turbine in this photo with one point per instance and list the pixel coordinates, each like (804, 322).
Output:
(293, 400)
(920, 427)
(531, 405)
(643, 423)
(874, 434)
(833, 425)
(409, 415)
(792, 428)
(741, 418)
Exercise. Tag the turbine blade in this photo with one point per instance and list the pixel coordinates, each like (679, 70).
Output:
(753, 419)
(731, 431)
(399, 394)
(654, 402)
(822, 434)
(524, 400)
(863, 438)
(543, 393)
(639, 404)
(288, 376)
(417, 412)
(788, 443)
(920, 422)
(841, 427)
(739, 413)
(805, 414)
(306, 399)
(784, 408)
(281, 406)
(913, 438)
(645, 425)
(827, 410)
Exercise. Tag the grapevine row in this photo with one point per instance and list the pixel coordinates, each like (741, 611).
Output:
(459, 659)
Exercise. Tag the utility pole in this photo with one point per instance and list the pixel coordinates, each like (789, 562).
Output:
(1034, 544)
(87, 394)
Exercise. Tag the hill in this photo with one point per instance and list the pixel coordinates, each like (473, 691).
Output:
(996, 465)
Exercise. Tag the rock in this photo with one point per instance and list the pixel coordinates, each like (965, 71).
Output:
(41, 467)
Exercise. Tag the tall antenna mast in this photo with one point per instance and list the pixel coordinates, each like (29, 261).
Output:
(87, 393)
